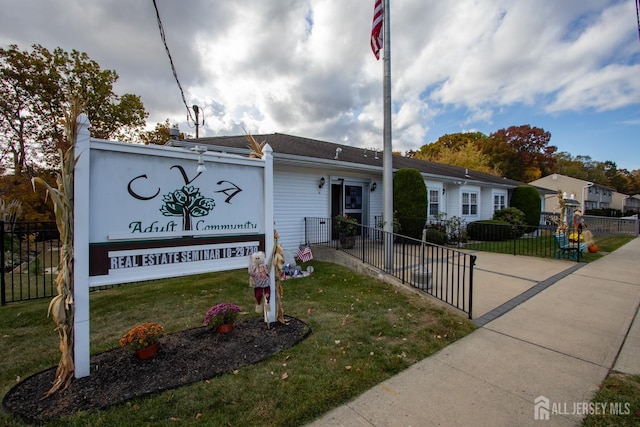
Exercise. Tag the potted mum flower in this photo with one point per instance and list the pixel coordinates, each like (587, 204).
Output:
(222, 316)
(143, 339)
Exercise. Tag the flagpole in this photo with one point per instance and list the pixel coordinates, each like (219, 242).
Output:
(387, 153)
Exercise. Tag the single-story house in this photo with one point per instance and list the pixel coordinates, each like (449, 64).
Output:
(321, 179)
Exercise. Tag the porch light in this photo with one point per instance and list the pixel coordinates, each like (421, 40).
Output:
(322, 181)
(373, 187)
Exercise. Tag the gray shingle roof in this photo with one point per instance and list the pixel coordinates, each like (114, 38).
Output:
(313, 148)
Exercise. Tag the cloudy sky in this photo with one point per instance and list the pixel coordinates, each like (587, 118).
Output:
(304, 67)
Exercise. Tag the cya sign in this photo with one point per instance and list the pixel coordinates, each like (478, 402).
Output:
(145, 212)
(154, 215)
(134, 198)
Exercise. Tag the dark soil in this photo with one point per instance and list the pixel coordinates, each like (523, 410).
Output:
(185, 357)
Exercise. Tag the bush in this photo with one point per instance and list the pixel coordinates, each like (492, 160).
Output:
(410, 201)
(490, 230)
(436, 237)
(513, 216)
(456, 229)
(527, 200)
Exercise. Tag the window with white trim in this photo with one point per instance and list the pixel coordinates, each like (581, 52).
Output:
(469, 203)
(434, 202)
(498, 202)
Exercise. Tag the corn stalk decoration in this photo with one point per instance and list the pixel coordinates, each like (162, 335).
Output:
(561, 222)
(278, 262)
(255, 147)
(61, 307)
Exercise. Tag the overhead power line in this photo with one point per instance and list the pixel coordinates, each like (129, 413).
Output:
(173, 68)
(638, 16)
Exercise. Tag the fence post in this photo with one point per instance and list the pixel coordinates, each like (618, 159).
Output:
(3, 284)
(404, 252)
(473, 262)
(362, 242)
(306, 238)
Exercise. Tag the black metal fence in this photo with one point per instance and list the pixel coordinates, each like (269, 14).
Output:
(521, 240)
(540, 241)
(442, 272)
(29, 259)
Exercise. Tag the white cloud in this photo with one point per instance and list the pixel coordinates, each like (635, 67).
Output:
(305, 67)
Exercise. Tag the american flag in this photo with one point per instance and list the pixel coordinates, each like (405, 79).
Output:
(376, 30)
(305, 254)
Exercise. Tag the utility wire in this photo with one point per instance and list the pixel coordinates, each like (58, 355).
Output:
(638, 16)
(173, 68)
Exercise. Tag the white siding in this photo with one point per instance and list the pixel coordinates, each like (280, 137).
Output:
(488, 195)
(453, 202)
(296, 196)
(376, 200)
(485, 209)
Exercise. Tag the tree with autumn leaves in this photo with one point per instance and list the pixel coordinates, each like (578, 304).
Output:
(35, 86)
(524, 153)
(521, 153)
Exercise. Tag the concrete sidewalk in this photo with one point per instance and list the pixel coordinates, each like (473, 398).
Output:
(554, 348)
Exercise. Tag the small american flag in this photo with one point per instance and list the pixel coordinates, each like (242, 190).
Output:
(376, 30)
(305, 254)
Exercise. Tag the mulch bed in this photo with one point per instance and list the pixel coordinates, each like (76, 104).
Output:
(185, 357)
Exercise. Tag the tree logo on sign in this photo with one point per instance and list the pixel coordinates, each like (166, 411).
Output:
(186, 202)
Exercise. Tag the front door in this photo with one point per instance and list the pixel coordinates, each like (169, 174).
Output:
(348, 198)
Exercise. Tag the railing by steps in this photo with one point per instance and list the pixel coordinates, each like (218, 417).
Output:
(444, 273)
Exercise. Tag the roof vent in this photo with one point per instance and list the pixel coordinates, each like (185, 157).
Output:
(338, 151)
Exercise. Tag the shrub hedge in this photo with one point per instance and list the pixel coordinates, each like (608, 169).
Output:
(527, 199)
(490, 230)
(436, 237)
(410, 201)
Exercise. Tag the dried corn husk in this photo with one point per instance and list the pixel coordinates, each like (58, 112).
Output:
(278, 264)
(61, 307)
(255, 147)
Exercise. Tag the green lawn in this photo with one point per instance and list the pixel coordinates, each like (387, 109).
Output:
(619, 395)
(363, 332)
(544, 246)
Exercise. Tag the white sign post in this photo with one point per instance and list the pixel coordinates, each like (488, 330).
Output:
(147, 212)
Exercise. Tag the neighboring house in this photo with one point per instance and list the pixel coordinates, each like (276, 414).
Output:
(630, 204)
(587, 194)
(319, 179)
